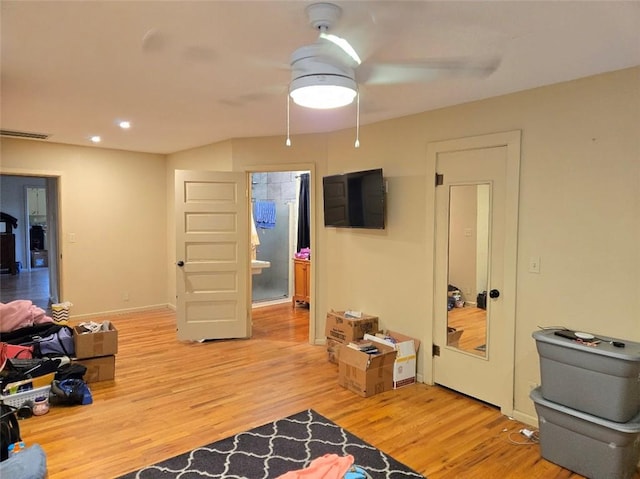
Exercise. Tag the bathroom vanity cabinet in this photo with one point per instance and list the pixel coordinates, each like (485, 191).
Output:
(301, 274)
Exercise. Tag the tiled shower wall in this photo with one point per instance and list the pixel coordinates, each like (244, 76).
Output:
(280, 187)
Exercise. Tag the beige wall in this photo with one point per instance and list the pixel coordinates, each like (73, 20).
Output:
(115, 204)
(579, 212)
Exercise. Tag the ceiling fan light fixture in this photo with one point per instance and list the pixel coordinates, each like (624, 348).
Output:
(323, 92)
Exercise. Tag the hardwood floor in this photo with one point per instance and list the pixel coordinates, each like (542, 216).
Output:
(32, 285)
(472, 322)
(169, 397)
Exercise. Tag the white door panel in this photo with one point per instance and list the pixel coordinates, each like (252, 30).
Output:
(491, 166)
(212, 237)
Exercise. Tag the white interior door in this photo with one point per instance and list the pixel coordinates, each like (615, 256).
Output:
(488, 169)
(212, 255)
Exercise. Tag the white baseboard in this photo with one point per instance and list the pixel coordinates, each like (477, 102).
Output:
(262, 304)
(122, 311)
(525, 418)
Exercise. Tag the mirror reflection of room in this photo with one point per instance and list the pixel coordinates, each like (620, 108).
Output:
(468, 268)
(37, 207)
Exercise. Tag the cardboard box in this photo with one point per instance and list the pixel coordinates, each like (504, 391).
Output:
(91, 345)
(453, 336)
(39, 259)
(366, 374)
(345, 329)
(99, 369)
(333, 350)
(404, 368)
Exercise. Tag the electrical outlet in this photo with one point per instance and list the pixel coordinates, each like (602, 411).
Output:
(534, 264)
(125, 296)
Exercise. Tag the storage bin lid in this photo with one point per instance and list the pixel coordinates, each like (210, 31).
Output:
(630, 351)
(631, 427)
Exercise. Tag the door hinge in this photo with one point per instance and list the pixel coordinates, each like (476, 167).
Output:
(439, 179)
(435, 350)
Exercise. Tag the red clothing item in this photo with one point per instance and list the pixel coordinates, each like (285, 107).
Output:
(329, 466)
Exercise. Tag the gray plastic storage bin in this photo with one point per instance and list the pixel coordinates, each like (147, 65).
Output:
(602, 380)
(586, 444)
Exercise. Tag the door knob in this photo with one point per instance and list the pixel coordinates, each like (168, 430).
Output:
(494, 293)
(181, 264)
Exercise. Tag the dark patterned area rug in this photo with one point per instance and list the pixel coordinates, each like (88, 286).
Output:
(270, 450)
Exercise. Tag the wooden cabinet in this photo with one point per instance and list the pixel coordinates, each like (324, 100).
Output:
(301, 274)
(8, 252)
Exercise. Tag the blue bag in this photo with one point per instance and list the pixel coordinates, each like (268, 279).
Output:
(356, 472)
(58, 343)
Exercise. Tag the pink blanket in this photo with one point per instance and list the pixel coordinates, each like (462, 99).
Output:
(20, 314)
(329, 466)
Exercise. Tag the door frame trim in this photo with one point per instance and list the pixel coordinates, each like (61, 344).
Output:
(512, 141)
(56, 256)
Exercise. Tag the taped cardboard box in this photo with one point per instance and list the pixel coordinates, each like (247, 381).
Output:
(91, 345)
(98, 369)
(453, 336)
(404, 368)
(333, 350)
(344, 329)
(366, 374)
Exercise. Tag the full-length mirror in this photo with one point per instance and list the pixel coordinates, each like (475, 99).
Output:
(468, 268)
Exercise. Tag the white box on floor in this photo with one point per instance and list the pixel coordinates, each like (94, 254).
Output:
(404, 368)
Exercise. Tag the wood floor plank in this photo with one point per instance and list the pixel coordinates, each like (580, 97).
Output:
(170, 397)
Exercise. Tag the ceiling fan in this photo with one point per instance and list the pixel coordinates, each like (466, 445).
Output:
(328, 73)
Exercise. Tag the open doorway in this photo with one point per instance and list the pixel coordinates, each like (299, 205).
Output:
(33, 202)
(280, 206)
(213, 251)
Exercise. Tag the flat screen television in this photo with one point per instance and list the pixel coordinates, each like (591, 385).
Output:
(354, 200)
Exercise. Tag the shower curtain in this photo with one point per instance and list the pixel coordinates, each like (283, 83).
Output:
(304, 216)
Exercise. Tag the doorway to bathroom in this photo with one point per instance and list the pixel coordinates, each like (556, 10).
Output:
(214, 271)
(277, 232)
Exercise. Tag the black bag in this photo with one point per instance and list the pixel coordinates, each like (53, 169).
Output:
(9, 430)
(482, 300)
(70, 371)
(26, 336)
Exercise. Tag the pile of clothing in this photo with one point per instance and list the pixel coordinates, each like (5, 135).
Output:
(35, 369)
(36, 352)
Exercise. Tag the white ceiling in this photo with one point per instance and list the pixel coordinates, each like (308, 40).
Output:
(214, 70)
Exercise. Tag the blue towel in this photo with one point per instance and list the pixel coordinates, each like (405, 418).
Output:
(265, 212)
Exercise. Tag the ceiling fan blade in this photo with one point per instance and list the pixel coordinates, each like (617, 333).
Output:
(344, 45)
(262, 94)
(154, 41)
(370, 27)
(424, 71)
(163, 45)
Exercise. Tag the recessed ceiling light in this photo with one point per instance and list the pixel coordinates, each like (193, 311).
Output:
(96, 139)
(125, 125)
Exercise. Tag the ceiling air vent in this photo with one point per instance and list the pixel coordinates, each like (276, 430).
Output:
(24, 134)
